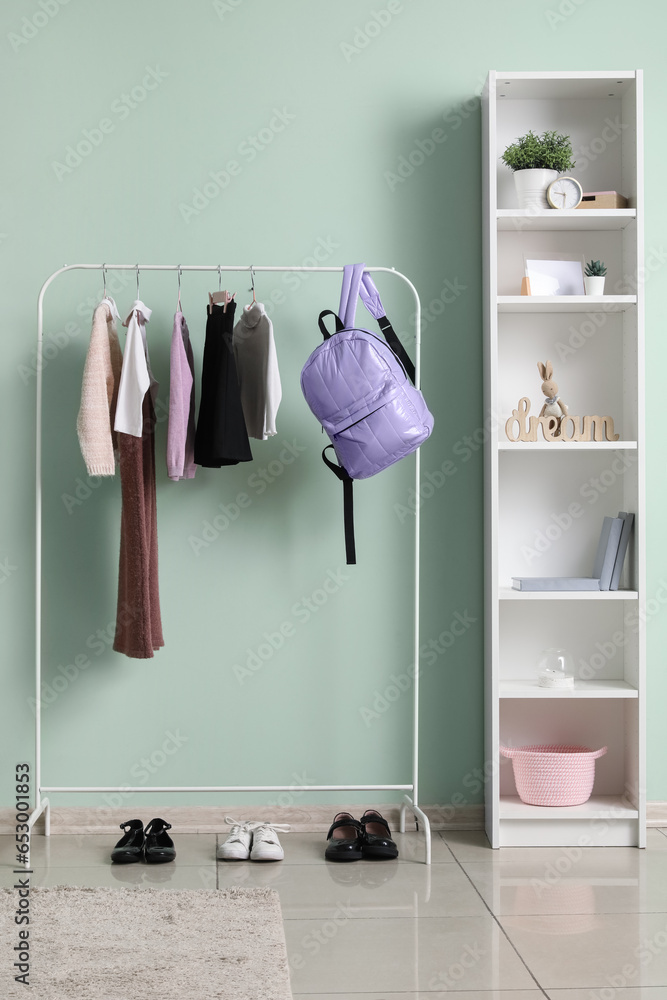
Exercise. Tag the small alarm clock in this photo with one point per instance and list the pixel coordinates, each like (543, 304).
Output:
(564, 192)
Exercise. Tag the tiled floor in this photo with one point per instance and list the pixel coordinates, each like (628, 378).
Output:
(514, 924)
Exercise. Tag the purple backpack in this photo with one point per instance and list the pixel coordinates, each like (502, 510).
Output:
(360, 388)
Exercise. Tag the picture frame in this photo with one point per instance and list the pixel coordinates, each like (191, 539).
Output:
(554, 273)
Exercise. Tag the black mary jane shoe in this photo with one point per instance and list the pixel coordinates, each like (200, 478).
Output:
(159, 847)
(130, 848)
(344, 839)
(377, 843)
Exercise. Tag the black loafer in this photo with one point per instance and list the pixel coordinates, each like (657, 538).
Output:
(377, 842)
(129, 848)
(159, 847)
(344, 839)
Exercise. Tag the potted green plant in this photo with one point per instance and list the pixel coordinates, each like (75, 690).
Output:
(594, 275)
(536, 161)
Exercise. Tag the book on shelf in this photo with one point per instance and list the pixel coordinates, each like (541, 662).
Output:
(610, 536)
(626, 531)
(607, 568)
(537, 583)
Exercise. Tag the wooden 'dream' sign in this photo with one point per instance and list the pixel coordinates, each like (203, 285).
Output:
(521, 427)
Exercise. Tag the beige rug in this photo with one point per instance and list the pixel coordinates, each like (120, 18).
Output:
(149, 944)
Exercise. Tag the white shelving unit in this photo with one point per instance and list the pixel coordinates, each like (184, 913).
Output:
(545, 501)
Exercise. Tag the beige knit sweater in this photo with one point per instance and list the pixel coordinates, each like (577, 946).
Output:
(99, 391)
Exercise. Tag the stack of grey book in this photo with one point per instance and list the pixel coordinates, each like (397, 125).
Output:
(607, 568)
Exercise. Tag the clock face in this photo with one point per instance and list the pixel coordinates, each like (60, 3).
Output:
(564, 192)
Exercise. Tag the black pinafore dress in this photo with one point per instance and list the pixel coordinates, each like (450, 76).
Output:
(221, 437)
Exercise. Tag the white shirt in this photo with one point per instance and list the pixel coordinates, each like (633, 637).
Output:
(135, 376)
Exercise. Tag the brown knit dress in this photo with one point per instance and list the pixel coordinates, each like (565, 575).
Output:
(138, 621)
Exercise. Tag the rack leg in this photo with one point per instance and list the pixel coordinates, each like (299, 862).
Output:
(401, 822)
(43, 806)
(423, 818)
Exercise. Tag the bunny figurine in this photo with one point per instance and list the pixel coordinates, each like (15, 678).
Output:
(554, 406)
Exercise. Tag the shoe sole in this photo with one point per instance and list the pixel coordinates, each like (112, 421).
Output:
(233, 857)
(379, 854)
(351, 856)
(129, 860)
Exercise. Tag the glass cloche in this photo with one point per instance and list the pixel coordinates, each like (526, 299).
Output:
(555, 669)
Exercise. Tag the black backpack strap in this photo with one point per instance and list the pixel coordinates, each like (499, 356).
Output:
(348, 507)
(391, 337)
(320, 322)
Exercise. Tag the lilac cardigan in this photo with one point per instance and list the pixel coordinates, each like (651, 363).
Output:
(181, 431)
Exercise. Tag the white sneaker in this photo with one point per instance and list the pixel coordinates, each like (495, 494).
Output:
(265, 843)
(237, 845)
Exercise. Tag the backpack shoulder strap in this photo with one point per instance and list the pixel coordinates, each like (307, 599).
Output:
(371, 299)
(391, 337)
(349, 293)
(348, 506)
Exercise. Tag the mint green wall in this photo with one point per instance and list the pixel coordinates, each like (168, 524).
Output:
(343, 106)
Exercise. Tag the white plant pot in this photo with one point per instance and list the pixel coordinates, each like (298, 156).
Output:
(531, 187)
(594, 285)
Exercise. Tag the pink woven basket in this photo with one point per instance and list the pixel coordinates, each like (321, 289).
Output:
(556, 775)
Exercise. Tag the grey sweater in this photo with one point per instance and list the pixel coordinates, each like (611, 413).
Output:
(257, 366)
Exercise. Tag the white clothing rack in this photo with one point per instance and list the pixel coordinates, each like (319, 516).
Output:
(42, 804)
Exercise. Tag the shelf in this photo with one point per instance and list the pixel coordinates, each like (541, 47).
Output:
(578, 445)
(566, 85)
(597, 807)
(509, 594)
(551, 220)
(565, 303)
(582, 689)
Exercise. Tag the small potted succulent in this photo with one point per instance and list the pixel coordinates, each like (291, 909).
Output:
(536, 161)
(594, 275)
